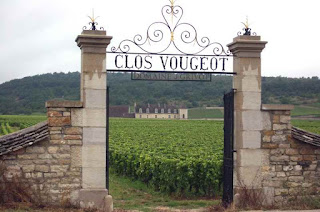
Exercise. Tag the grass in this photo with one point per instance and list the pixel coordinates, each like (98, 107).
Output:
(305, 110)
(134, 195)
(308, 125)
(202, 113)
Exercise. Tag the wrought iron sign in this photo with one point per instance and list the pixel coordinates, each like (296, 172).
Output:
(170, 46)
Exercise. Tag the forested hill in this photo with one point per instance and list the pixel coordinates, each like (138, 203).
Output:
(28, 95)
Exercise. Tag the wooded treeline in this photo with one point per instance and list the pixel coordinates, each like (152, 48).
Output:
(28, 95)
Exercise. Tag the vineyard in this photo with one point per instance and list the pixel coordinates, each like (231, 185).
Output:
(172, 156)
(12, 123)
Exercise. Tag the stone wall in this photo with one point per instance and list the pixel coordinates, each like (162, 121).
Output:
(291, 167)
(52, 166)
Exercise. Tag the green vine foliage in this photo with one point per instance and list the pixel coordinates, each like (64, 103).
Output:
(173, 156)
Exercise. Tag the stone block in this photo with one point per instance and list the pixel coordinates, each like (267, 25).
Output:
(269, 146)
(59, 168)
(56, 137)
(306, 151)
(66, 114)
(256, 120)
(42, 168)
(72, 137)
(35, 149)
(74, 142)
(59, 121)
(266, 138)
(53, 132)
(282, 158)
(94, 199)
(53, 149)
(77, 117)
(268, 132)
(97, 180)
(64, 149)
(281, 192)
(296, 178)
(52, 113)
(285, 119)
(28, 168)
(76, 156)
(95, 98)
(292, 151)
(61, 156)
(248, 100)
(73, 131)
(279, 126)
(95, 82)
(37, 175)
(249, 83)
(94, 135)
(284, 146)
(296, 158)
(251, 139)
(279, 138)
(276, 119)
(28, 156)
(94, 156)
(44, 156)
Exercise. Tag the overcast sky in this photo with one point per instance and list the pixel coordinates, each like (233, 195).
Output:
(37, 36)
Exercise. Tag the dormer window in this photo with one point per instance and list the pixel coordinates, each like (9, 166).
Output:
(162, 110)
(169, 110)
(156, 110)
(175, 111)
(147, 111)
(140, 110)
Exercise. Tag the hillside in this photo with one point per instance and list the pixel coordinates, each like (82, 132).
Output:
(28, 95)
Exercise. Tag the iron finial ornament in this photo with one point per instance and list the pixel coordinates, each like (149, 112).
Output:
(246, 29)
(171, 33)
(93, 22)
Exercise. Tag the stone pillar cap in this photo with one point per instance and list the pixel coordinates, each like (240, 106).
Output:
(93, 38)
(247, 46)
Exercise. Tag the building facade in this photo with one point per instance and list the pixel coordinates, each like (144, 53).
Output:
(160, 112)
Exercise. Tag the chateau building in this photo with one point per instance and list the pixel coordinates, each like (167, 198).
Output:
(159, 111)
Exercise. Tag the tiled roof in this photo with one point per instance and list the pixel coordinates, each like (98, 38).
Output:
(23, 138)
(304, 136)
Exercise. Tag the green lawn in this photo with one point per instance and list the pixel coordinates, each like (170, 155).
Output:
(135, 195)
(202, 113)
(305, 110)
(308, 125)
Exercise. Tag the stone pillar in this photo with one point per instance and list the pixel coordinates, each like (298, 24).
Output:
(250, 121)
(92, 117)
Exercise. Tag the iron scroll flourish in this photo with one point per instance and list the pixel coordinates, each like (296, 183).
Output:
(171, 33)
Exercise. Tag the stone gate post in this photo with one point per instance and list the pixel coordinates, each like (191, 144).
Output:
(249, 119)
(92, 117)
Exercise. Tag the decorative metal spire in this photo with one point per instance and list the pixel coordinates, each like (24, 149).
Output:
(93, 22)
(246, 29)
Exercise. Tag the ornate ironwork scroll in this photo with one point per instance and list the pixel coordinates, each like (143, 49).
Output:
(172, 32)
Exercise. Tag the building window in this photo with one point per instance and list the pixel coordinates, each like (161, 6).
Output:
(147, 111)
(155, 116)
(156, 111)
(169, 117)
(140, 116)
(140, 110)
(147, 116)
(174, 116)
(169, 110)
(175, 111)
(183, 116)
(162, 110)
